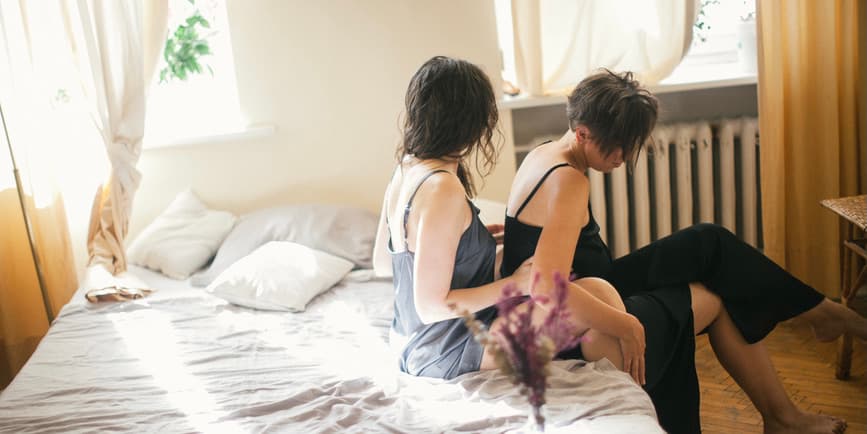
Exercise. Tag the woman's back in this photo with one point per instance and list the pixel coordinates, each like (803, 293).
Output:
(442, 349)
(525, 217)
(429, 236)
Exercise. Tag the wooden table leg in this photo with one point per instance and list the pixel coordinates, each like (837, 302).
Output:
(844, 348)
(844, 354)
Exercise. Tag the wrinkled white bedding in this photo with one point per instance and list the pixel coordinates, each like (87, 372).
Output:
(182, 360)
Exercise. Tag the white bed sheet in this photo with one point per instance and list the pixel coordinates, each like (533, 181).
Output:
(182, 360)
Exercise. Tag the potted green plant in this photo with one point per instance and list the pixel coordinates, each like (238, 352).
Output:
(185, 47)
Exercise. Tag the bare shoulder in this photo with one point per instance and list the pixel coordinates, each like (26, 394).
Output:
(568, 180)
(443, 192)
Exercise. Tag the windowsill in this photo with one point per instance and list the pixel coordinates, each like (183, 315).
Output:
(249, 133)
(704, 77)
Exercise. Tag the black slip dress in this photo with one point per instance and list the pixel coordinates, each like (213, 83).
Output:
(654, 284)
(665, 313)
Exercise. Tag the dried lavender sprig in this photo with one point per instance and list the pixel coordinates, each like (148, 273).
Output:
(521, 350)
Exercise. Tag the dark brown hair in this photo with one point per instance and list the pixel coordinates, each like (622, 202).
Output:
(451, 111)
(615, 108)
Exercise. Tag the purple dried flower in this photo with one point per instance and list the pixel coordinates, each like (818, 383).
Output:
(521, 350)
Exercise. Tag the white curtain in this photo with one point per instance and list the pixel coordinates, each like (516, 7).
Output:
(559, 42)
(116, 44)
(37, 272)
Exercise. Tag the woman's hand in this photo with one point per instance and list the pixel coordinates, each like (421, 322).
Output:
(632, 346)
(497, 231)
(521, 276)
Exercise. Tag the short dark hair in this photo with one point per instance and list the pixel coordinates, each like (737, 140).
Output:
(615, 108)
(451, 111)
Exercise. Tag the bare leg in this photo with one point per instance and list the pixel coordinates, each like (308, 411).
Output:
(706, 307)
(750, 366)
(599, 345)
(601, 289)
(830, 319)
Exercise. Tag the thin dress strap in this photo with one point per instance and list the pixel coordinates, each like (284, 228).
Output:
(388, 196)
(536, 188)
(409, 205)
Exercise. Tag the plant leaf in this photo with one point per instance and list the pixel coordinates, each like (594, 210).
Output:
(202, 48)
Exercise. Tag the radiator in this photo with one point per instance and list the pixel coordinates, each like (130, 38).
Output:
(686, 174)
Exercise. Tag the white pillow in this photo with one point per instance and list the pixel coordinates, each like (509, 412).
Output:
(344, 231)
(279, 275)
(182, 239)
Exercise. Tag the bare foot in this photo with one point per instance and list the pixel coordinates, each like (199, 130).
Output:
(805, 423)
(829, 320)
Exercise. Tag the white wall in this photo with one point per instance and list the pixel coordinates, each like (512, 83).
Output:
(331, 76)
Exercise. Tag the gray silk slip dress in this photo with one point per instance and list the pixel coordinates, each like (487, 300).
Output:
(443, 349)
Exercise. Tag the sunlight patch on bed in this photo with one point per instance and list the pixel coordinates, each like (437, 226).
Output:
(340, 339)
(447, 404)
(150, 337)
(372, 355)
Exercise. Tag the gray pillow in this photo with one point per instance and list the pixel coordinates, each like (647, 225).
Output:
(342, 231)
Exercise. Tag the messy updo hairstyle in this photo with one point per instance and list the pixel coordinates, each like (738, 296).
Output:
(615, 108)
(451, 112)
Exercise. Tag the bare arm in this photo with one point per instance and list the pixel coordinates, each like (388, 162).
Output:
(566, 194)
(441, 212)
(381, 257)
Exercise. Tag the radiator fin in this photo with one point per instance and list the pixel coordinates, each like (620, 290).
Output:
(687, 173)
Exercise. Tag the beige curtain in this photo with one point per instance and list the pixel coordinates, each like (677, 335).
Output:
(23, 319)
(117, 44)
(810, 117)
(558, 42)
(33, 132)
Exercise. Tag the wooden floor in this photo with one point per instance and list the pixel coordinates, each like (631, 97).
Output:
(806, 369)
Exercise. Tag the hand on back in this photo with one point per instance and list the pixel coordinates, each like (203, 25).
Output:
(497, 231)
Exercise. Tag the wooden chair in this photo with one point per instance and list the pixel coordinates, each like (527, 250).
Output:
(854, 210)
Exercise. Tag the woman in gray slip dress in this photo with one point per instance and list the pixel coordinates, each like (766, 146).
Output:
(430, 237)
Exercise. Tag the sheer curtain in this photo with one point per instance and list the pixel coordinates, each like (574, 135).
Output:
(810, 116)
(29, 88)
(116, 44)
(558, 42)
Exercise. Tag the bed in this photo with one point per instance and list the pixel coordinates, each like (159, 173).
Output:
(184, 360)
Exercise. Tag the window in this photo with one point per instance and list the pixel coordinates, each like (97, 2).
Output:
(204, 104)
(505, 37)
(723, 42)
(723, 46)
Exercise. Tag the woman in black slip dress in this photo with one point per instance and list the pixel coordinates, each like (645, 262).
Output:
(430, 237)
(698, 279)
